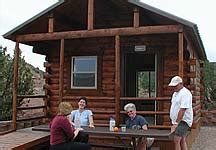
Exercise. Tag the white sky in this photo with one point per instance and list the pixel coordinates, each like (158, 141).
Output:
(15, 12)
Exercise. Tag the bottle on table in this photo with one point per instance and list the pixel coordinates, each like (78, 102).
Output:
(77, 123)
(111, 123)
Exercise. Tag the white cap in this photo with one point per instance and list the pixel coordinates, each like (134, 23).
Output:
(175, 80)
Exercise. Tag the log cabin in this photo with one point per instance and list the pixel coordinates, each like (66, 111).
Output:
(114, 52)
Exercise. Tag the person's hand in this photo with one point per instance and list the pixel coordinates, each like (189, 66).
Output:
(145, 127)
(173, 127)
(77, 131)
(91, 126)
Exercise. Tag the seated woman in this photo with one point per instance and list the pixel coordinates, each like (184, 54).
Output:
(84, 117)
(137, 122)
(62, 132)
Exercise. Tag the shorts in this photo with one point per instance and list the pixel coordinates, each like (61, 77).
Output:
(182, 129)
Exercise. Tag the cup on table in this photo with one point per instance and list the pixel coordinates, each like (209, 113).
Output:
(123, 128)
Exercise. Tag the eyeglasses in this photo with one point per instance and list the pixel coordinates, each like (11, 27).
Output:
(130, 111)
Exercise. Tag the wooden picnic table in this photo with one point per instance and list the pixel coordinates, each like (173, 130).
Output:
(131, 133)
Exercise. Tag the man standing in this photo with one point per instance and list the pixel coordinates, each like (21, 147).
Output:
(181, 112)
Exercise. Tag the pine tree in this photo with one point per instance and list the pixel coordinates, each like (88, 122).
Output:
(25, 83)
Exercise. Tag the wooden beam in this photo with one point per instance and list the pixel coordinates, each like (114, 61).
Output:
(136, 18)
(117, 78)
(15, 84)
(127, 31)
(90, 14)
(50, 24)
(181, 54)
(61, 71)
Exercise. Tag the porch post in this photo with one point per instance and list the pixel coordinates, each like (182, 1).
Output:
(15, 83)
(90, 14)
(117, 78)
(181, 54)
(61, 71)
(136, 18)
(50, 23)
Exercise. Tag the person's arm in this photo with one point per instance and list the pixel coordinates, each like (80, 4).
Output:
(69, 119)
(91, 121)
(143, 123)
(180, 115)
(67, 128)
(179, 118)
(76, 132)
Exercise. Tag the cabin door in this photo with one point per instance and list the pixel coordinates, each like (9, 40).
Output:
(140, 80)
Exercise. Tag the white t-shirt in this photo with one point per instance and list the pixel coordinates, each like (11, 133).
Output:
(182, 99)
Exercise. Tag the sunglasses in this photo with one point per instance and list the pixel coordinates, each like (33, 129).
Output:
(130, 111)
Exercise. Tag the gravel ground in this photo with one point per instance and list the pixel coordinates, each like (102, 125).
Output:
(206, 140)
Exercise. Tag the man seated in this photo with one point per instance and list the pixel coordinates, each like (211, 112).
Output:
(137, 122)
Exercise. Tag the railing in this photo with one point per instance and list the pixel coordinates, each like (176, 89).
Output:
(7, 128)
(154, 112)
(32, 108)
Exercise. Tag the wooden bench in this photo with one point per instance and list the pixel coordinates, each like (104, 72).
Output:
(25, 139)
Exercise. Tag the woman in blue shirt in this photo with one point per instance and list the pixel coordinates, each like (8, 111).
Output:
(82, 117)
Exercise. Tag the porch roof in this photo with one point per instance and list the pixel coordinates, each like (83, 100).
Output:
(162, 17)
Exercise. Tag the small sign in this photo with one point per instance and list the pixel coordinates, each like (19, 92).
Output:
(140, 48)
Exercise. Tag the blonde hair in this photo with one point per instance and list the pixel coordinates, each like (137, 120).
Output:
(129, 106)
(64, 108)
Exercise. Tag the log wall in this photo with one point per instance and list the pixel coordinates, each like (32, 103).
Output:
(102, 99)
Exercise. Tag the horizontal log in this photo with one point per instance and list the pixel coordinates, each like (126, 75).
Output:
(149, 112)
(99, 33)
(32, 118)
(31, 96)
(102, 111)
(89, 98)
(192, 62)
(145, 99)
(31, 107)
(47, 65)
(101, 105)
(103, 116)
(108, 76)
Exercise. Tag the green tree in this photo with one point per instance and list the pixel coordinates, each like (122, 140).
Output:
(209, 84)
(25, 83)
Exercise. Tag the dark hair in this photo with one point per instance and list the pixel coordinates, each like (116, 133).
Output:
(83, 98)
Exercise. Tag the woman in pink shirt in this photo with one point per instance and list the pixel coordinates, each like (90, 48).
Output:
(63, 133)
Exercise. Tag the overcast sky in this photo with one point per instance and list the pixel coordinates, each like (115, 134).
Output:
(202, 13)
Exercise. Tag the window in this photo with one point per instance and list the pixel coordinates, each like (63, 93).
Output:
(84, 72)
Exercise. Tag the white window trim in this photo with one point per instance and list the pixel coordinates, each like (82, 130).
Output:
(74, 87)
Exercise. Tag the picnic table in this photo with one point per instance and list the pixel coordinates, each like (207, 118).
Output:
(130, 133)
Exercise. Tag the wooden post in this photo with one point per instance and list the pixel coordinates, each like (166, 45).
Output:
(50, 24)
(90, 14)
(181, 54)
(61, 71)
(117, 78)
(136, 17)
(15, 83)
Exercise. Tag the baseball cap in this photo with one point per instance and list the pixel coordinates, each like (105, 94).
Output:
(175, 80)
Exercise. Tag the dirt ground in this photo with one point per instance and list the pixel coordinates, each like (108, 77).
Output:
(206, 140)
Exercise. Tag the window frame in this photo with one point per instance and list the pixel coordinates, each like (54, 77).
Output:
(95, 72)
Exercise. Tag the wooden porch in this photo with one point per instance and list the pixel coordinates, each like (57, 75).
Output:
(24, 139)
